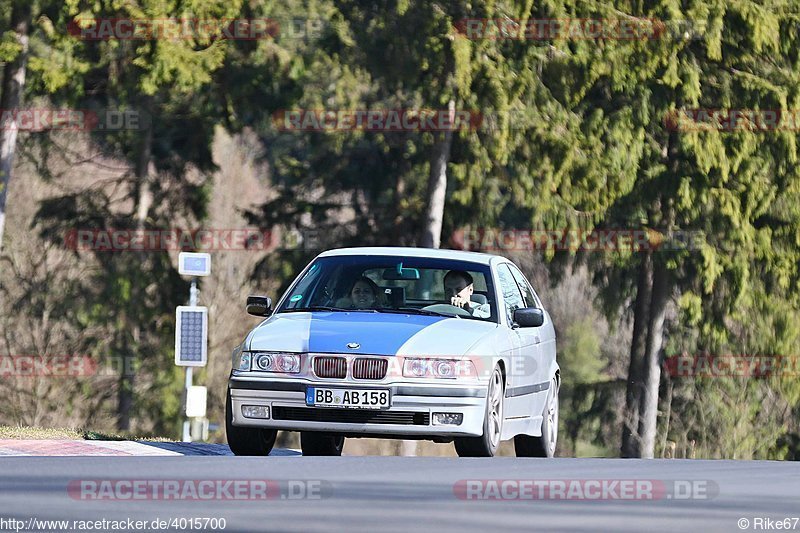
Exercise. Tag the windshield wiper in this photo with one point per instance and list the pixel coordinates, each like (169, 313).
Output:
(415, 311)
(329, 308)
(315, 308)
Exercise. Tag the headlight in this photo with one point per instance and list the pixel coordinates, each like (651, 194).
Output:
(438, 368)
(288, 363)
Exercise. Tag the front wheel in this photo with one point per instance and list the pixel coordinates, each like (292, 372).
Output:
(486, 445)
(315, 443)
(245, 440)
(545, 445)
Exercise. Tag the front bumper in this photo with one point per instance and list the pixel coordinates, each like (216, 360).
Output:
(410, 414)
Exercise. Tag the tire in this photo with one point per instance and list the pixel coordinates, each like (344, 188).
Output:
(315, 443)
(544, 446)
(246, 440)
(486, 445)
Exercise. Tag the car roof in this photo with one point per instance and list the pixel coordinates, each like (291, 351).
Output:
(400, 251)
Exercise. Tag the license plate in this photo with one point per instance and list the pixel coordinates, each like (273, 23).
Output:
(349, 398)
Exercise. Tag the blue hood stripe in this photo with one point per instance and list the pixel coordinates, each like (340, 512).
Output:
(377, 333)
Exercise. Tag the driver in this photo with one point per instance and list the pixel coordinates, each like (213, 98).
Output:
(458, 288)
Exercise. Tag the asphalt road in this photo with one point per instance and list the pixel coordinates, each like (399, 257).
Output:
(405, 493)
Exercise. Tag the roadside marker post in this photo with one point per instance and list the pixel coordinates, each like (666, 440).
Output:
(191, 336)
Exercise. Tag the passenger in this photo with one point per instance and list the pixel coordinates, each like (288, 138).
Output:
(364, 294)
(458, 288)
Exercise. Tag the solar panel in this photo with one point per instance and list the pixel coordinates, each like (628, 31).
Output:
(191, 335)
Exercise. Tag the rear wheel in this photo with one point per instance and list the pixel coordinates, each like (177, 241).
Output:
(486, 445)
(246, 440)
(315, 443)
(544, 446)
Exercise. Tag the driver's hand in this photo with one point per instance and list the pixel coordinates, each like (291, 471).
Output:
(458, 301)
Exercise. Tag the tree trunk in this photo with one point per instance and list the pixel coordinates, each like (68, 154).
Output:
(660, 294)
(132, 318)
(641, 312)
(651, 371)
(653, 292)
(398, 227)
(437, 186)
(10, 99)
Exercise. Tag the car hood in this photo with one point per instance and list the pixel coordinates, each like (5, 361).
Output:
(375, 333)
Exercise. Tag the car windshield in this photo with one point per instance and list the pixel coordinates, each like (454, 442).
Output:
(391, 284)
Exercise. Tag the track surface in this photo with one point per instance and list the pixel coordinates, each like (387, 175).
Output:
(407, 493)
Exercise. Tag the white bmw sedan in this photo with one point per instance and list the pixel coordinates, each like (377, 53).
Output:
(407, 343)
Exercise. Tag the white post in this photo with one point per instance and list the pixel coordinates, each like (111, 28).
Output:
(187, 430)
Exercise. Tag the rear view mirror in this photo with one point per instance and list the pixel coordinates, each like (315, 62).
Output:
(400, 273)
(529, 317)
(259, 305)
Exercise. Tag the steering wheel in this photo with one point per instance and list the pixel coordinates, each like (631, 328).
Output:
(447, 308)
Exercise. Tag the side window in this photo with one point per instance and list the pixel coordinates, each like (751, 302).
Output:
(524, 286)
(511, 295)
(305, 288)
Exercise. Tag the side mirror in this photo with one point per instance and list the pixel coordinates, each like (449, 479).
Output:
(259, 305)
(529, 317)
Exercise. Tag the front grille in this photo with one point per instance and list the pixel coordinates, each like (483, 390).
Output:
(370, 368)
(352, 416)
(330, 367)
